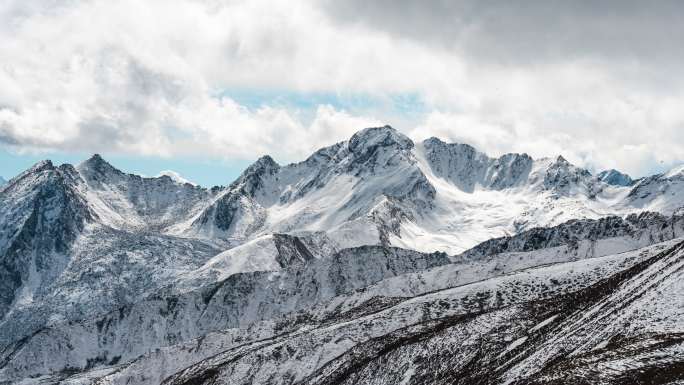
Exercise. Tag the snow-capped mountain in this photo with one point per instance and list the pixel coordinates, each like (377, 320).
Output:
(2, 181)
(661, 192)
(615, 178)
(119, 278)
(381, 188)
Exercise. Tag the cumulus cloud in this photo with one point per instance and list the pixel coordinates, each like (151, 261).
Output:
(599, 82)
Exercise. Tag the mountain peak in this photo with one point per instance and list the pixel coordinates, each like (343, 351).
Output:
(42, 165)
(252, 178)
(433, 140)
(264, 164)
(96, 161)
(561, 160)
(615, 178)
(96, 167)
(374, 137)
(176, 177)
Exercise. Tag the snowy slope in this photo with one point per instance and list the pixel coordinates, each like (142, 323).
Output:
(168, 317)
(341, 189)
(661, 192)
(615, 317)
(326, 286)
(127, 201)
(536, 325)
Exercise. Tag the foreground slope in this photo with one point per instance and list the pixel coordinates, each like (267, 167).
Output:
(494, 280)
(553, 324)
(614, 319)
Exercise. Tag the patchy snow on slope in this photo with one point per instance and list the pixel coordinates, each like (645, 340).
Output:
(176, 177)
(542, 324)
(256, 255)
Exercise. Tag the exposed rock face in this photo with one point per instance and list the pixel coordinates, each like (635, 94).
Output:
(615, 178)
(42, 216)
(647, 226)
(465, 167)
(538, 326)
(333, 270)
(237, 301)
(128, 201)
(563, 177)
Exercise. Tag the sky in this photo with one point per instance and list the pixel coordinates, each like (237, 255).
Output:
(205, 87)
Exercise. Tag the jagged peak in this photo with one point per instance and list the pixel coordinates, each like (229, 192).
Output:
(505, 158)
(560, 163)
(174, 177)
(560, 160)
(615, 178)
(264, 164)
(42, 165)
(515, 155)
(97, 164)
(39, 167)
(435, 141)
(96, 158)
(251, 179)
(373, 137)
(324, 154)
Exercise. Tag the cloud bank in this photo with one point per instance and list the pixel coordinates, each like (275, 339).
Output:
(599, 82)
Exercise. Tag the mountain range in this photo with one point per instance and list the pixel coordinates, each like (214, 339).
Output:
(375, 260)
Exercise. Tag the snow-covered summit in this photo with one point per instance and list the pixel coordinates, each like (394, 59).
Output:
(615, 178)
(373, 137)
(377, 146)
(661, 192)
(125, 200)
(562, 177)
(96, 167)
(175, 176)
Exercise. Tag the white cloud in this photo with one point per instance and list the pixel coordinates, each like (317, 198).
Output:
(142, 78)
